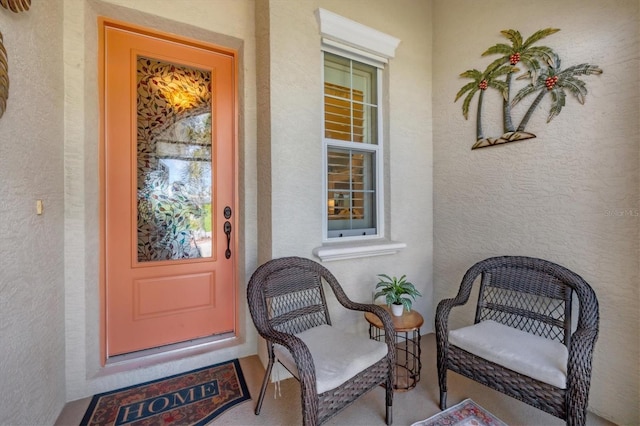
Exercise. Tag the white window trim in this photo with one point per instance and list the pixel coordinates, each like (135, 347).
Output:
(345, 34)
(341, 251)
(351, 39)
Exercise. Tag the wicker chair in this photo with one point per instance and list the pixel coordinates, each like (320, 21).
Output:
(524, 310)
(288, 307)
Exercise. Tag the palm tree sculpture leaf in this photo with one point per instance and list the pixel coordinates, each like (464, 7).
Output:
(481, 82)
(542, 69)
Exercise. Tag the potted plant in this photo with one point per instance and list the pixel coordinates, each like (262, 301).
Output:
(398, 292)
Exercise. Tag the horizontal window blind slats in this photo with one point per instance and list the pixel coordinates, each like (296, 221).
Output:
(337, 114)
(341, 136)
(345, 103)
(343, 92)
(334, 126)
(332, 122)
(338, 135)
(344, 119)
(348, 117)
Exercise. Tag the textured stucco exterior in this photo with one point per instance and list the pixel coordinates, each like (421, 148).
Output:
(31, 246)
(571, 194)
(568, 195)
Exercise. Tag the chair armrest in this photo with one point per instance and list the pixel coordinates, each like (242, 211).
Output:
(442, 317)
(387, 322)
(582, 341)
(580, 358)
(444, 306)
(579, 367)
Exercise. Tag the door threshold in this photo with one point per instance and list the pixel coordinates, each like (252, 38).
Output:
(162, 354)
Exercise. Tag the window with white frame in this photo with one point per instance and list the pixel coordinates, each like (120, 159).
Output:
(352, 147)
(354, 57)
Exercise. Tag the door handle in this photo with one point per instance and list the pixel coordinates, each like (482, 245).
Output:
(227, 231)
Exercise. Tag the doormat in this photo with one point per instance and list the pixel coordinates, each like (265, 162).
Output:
(465, 413)
(192, 398)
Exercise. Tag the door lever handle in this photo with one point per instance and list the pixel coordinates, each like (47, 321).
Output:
(227, 230)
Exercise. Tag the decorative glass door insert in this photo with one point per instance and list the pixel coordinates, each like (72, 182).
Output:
(174, 128)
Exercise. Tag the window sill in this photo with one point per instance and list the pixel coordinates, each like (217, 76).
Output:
(353, 250)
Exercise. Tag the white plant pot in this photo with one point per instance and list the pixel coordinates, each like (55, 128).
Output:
(397, 310)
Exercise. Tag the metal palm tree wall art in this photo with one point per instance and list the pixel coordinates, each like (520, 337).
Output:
(543, 70)
(4, 78)
(15, 6)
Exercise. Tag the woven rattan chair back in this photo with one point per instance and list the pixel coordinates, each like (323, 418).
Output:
(535, 296)
(295, 300)
(526, 296)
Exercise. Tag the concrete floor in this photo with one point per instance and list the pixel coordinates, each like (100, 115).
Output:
(408, 407)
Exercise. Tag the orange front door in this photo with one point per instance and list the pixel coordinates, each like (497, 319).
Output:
(169, 189)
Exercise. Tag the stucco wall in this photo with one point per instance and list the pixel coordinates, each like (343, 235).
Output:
(228, 23)
(565, 195)
(31, 263)
(296, 145)
(571, 194)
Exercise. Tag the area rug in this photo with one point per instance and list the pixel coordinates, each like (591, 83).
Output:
(192, 398)
(465, 413)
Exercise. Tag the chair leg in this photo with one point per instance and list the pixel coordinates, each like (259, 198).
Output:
(442, 384)
(389, 402)
(443, 400)
(265, 383)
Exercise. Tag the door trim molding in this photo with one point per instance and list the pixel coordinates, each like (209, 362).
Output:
(191, 347)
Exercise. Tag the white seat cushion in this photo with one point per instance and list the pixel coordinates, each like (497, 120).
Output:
(534, 356)
(337, 356)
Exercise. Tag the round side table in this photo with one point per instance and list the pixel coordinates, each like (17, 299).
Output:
(407, 336)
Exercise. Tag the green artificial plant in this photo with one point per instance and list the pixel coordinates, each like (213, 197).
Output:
(396, 291)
